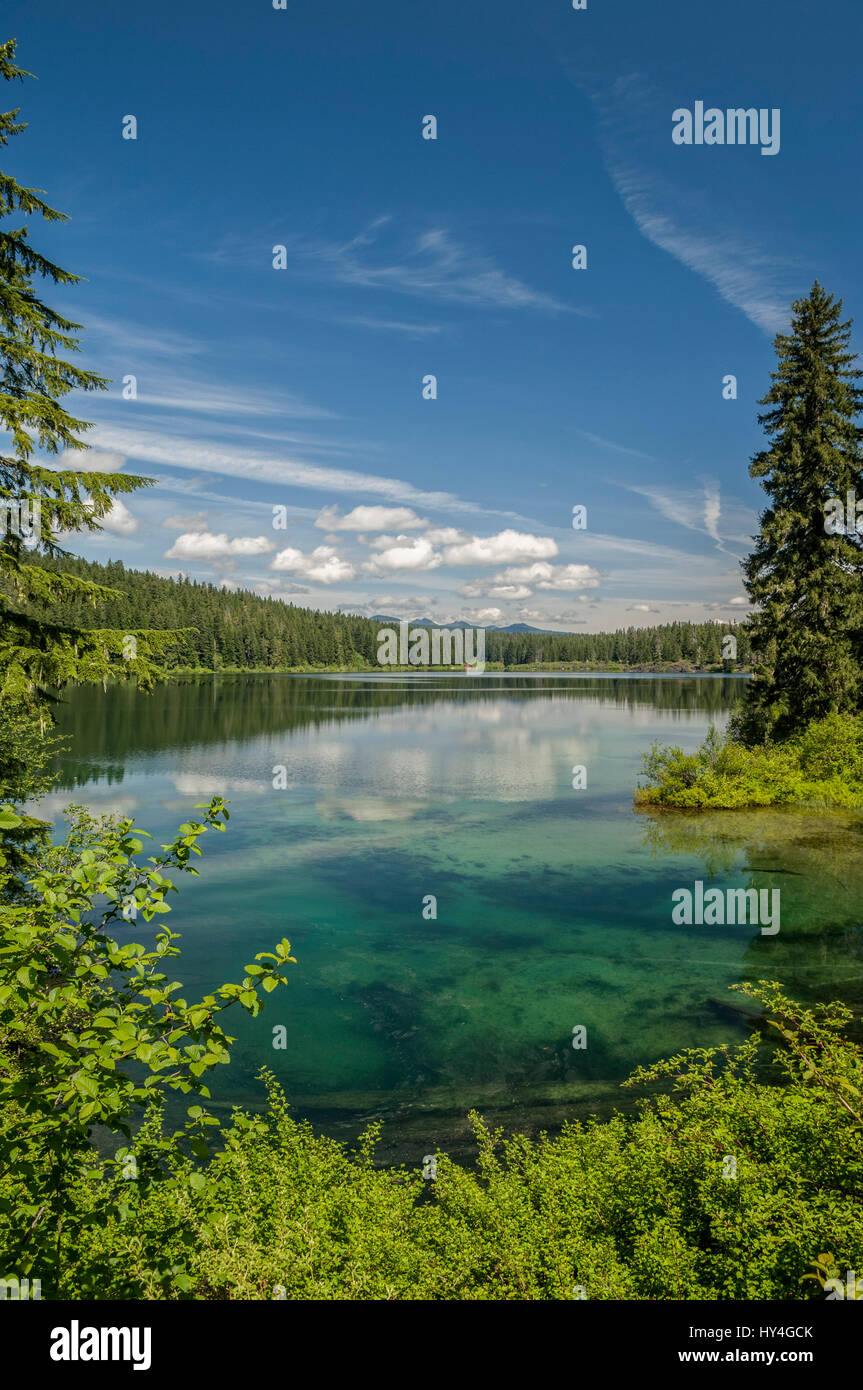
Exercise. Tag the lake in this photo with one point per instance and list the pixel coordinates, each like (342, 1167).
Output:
(553, 904)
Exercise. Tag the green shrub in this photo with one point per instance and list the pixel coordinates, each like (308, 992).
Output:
(821, 767)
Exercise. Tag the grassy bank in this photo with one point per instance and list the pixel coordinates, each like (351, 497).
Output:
(820, 768)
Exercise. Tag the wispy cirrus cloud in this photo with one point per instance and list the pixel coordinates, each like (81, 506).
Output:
(412, 330)
(616, 448)
(688, 509)
(134, 338)
(683, 220)
(195, 397)
(431, 265)
(701, 511)
(195, 521)
(179, 451)
(189, 452)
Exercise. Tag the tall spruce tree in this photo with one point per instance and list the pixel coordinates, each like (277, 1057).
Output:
(37, 655)
(806, 582)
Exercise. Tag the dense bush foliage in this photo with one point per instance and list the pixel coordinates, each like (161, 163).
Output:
(639, 1208)
(822, 766)
(93, 1034)
(28, 746)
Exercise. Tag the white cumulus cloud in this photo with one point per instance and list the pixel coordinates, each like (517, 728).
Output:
(499, 549)
(402, 553)
(369, 519)
(322, 565)
(571, 577)
(483, 589)
(119, 520)
(203, 545)
(445, 535)
(514, 582)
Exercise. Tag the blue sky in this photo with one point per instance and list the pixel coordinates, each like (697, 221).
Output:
(302, 388)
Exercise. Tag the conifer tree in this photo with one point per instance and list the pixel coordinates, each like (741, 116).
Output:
(807, 582)
(39, 504)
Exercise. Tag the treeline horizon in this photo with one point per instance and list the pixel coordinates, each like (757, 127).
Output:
(240, 630)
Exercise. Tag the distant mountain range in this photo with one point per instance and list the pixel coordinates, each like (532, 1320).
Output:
(427, 622)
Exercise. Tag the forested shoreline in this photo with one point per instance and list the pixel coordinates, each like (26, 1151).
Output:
(237, 630)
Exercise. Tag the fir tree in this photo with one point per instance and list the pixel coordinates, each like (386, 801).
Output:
(805, 581)
(39, 504)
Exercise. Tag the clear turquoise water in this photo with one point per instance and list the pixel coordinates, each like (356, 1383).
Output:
(553, 904)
